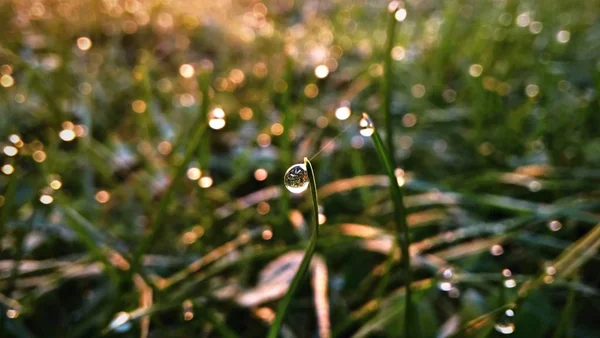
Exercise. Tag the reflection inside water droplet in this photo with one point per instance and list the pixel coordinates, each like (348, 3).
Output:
(446, 279)
(296, 178)
(366, 125)
(505, 322)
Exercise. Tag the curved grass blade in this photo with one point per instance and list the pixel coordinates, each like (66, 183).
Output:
(285, 302)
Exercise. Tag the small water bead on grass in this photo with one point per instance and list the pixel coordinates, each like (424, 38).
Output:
(367, 128)
(509, 282)
(446, 279)
(505, 322)
(296, 178)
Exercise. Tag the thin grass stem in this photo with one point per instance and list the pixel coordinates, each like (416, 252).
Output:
(403, 237)
(304, 265)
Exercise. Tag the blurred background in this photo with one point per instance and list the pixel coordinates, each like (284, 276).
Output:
(144, 144)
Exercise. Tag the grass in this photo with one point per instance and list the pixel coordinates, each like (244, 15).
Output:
(300, 275)
(117, 196)
(411, 319)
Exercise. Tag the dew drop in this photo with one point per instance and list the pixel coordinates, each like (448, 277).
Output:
(296, 178)
(366, 125)
(445, 279)
(505, 322)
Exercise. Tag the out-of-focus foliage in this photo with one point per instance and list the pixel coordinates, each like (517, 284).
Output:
(144, 143)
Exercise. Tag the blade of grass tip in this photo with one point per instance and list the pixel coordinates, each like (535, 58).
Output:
(199, 128)
(283, 304)
(402, 233)
(387, 79)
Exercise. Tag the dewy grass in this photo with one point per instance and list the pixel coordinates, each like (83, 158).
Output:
(304, 265)
(199, 129)
(411, 317)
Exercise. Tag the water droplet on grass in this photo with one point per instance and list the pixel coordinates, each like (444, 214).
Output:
(446, 279)
(505, 322)
(366, 125)
(296, 178)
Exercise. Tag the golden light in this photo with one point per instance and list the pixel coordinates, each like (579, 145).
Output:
(6, 70)
(263, 140)
(322, 122)
(342, 113)
(46, 199)
(198, 230)
(263, 208)
(532, 90)
(194, 173)
(102, 196)
(10, 151)
(80, 130)
(409, 120)
(205, 182)
(311, 91)
(12, 313)
(84, 43)
(67, 135)
(165, 147)
(216, 124)
(246, 113)
(393, 6)
(261, 174)
(7, 81)
(496, 250)
(321, 71)
(418, 90)
(277, 129)
(67, 125)
(39, 156)
(186, 70)
(138, 106)
(8, 169)
(237, 76)
(187, 100)
(475, 70)
(267, 234)
(398, 53)
(55, 184)
(189, 238)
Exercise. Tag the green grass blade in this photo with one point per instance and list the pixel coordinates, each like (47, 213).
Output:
(387, 80)
(285, 302)
(402, 233)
